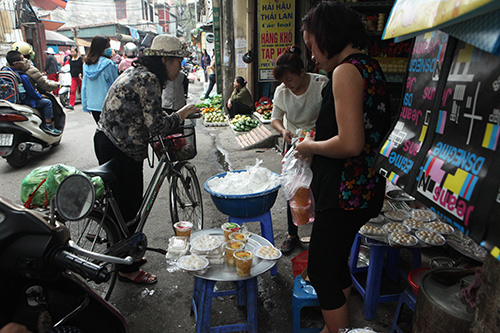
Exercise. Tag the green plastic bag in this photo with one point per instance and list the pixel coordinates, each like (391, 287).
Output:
(30, 183)
(58, 172)
(54, 175)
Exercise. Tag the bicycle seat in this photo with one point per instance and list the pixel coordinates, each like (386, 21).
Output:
(105, 171)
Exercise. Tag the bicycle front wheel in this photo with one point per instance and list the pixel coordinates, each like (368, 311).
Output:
(96, 233)
(185, 196)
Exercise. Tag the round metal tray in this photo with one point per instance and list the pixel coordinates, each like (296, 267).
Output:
(224, 272)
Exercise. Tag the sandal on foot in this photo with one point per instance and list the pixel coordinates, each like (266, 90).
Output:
(143, 278)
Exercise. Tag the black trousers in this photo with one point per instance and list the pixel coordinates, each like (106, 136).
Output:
(238, 108)
(211, 84)
(129, 182)
(331, 241)
(96, 115)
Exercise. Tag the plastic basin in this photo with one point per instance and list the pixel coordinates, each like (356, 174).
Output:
(243, 205)
(415, 277)
(299, 263)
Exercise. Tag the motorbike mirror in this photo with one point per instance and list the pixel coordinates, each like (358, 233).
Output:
(75, 197)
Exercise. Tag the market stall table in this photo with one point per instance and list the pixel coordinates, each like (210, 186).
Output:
(246, 290)
(371, 291)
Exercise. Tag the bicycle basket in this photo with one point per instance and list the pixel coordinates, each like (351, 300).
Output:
(180, 144)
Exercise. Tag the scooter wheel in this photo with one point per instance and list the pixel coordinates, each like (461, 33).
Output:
(64, 98)
(17, 159)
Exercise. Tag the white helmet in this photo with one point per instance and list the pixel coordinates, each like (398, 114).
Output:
(23, 47)
(130, 50)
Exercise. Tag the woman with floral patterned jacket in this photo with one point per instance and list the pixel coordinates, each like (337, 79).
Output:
(131, 115)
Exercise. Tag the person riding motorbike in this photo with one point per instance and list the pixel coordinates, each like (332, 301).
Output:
(40, 82)
(52, 67)
(130, 50)
(33, 99)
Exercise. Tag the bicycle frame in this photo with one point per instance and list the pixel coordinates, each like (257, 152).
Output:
(165, 168)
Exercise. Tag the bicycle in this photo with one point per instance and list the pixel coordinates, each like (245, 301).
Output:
(104, 229)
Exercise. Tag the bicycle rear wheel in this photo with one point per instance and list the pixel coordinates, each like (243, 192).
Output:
(185, 196)
(96, 233)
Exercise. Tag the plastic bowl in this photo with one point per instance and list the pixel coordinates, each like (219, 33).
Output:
(415, 277)
(243, 205)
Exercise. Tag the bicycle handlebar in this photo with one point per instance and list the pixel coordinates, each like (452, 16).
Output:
(84, 268)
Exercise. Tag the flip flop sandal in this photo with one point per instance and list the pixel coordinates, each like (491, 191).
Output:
(141, 279)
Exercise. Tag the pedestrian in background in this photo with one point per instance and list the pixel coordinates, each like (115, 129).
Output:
(99, 73)
(76, 70)
(52, 67)
(131, 115)
(241, 101)
(298, 98)
(211, 78)
(174, 94)
(205, 63)
(130, 50)
(352, 122)
(67, 57)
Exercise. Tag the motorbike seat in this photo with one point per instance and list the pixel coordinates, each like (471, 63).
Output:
(105, 171)
(20, 107)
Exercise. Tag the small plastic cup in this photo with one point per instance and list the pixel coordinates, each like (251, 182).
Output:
(183, 228)
(301, 214)
(231, 247)
(229, 228)
(239, 236)
(243, 261)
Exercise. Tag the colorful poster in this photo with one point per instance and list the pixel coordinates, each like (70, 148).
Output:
(400, 152)
(443, 148)
(276, 31)
(455, 178)
(412, 17)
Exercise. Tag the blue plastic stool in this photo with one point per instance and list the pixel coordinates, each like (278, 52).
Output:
(303, 295)
(371, 291)
(266, 228)
(408, 298)
(203, 292)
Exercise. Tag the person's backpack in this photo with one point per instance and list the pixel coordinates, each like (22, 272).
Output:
(11, 87)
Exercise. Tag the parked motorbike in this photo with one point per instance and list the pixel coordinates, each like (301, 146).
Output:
(21, 134)
(42, 280)
(65, 83)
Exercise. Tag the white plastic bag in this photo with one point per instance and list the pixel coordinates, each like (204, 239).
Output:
(296, 177)
(295, 173)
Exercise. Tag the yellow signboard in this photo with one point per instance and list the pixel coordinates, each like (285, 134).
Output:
(276, 31)
(409, 17)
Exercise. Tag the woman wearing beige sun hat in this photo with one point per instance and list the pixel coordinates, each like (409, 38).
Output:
(131, 114)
